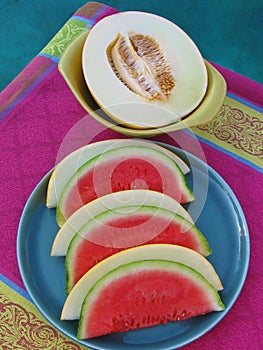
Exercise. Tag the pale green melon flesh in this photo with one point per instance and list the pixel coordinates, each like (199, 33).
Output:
(72, 305)
(145, 293)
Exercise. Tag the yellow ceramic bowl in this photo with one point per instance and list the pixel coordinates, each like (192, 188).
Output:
(70, 66)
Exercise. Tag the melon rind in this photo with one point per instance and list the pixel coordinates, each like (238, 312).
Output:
(84, 234)
(213, 300)
(124, 153)
(68, 166)
(72, 306)
(112, 201)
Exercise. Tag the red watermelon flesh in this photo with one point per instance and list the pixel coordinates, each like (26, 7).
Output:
(112, 232)
(143, 294)
(117, 170)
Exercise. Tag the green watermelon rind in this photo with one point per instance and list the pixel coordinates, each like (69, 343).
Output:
(59, 216)
(124, 270)
(120, 152)
(205, 249)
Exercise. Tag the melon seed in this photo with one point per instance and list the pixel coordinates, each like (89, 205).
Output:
(139, 62)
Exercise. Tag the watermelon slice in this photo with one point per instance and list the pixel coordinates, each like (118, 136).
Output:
(113, 231)
(130, 167)
(189, 257)
(66, 168)
(143, 294)
(112, 201)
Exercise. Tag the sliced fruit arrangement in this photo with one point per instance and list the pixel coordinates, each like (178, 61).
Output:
(183, 255)
(113, 231)
(130, 246)
(125, 168)
(145, 293)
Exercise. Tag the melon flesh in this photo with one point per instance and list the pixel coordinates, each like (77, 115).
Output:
(66, 168)
(143, 294)
(113, 231)
(189, 257)
(130, 167)
(112, 201)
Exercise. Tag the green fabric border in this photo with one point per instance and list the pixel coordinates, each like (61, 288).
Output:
(58, 44)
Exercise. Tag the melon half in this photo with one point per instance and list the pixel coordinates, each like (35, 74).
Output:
(113, 231)
(122, 102)
(130, 167)
(72, 306)
(143, 294)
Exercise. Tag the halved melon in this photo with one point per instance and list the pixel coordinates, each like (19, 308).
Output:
(112, 201)
(113, 231)
(72, 305)
(145, 293)
(66, 168)
(129, 167)
(149, 54)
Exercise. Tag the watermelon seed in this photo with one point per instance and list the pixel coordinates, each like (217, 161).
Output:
(120, 186)
(139, 184)
(157, 299)
(132, 322)
(139, 300)
(163, 319)
(153, 297)
(120, 323)
(146, 320)
(175, 316)
(155, 319)
(183, 314)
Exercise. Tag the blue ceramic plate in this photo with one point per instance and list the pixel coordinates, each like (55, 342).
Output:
(221, 220)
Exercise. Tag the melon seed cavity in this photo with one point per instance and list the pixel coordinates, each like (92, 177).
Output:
(139, 63)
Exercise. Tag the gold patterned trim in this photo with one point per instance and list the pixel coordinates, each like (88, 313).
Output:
(237, 128)
(23, 327)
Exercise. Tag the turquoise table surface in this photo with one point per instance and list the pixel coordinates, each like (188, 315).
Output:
(227, 32)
